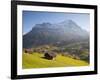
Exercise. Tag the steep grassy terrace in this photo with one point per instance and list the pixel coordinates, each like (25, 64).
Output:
(36, 60)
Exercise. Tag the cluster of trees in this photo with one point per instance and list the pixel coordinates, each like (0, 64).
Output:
(76, 53)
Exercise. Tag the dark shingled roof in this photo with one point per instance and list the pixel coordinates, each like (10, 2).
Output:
(51, 54)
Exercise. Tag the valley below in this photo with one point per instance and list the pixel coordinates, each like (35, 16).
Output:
(67, 56)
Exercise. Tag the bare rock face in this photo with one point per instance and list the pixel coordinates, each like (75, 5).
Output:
(60, 34)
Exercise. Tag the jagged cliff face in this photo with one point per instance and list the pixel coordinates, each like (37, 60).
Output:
(60, 34)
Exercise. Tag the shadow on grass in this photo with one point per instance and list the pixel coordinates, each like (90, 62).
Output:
(46, 58)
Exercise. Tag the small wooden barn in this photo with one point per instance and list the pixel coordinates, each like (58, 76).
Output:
(30, 51)
(50, 55)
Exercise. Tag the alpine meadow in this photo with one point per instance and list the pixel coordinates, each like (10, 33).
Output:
(53, 39)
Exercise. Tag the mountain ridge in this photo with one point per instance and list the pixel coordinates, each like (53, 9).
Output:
(46, 33)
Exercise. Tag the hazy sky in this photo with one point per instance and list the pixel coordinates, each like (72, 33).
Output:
(30, 18)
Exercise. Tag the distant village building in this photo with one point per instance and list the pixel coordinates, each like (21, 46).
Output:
(30, 51)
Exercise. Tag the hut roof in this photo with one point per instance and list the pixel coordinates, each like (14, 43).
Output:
(51, 54)
(29, 49)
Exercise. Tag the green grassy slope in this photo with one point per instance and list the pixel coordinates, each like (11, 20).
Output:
(35, 60)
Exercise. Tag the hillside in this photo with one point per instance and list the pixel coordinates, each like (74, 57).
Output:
(36, 60)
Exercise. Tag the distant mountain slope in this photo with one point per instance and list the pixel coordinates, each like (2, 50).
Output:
(63, 33)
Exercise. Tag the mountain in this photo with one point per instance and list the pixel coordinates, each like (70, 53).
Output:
(58, 34)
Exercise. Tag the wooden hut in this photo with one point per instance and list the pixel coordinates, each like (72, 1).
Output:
(30, 51)
(50, 55)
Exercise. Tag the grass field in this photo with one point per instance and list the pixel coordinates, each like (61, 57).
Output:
(35, 60)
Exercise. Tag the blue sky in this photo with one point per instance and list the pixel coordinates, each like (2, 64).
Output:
(30, 18)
